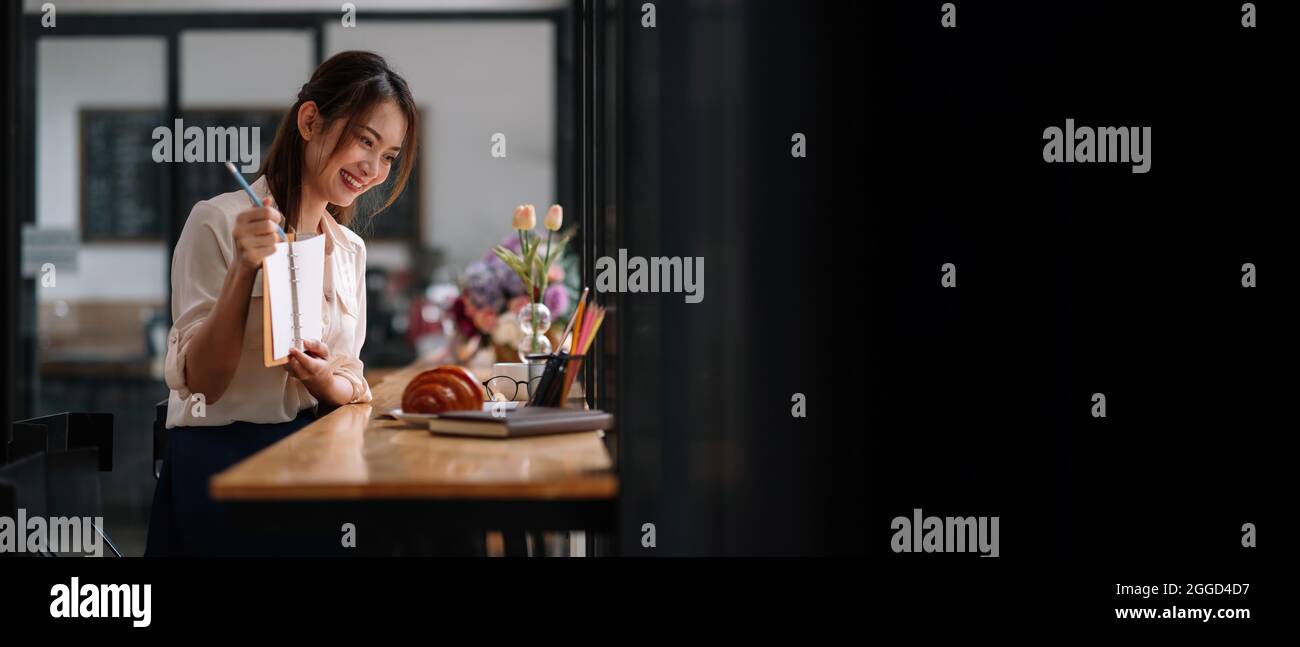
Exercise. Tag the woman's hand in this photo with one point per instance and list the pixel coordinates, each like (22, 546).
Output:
(312, 367)
(255, 233)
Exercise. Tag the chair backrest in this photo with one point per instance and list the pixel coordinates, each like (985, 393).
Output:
(72, 485)
(24, 440)
(63, 432)
(159, 435)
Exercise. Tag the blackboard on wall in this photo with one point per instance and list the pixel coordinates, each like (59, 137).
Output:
(124, 190)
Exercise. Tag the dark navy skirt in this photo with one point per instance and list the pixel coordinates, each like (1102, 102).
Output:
(187, 521)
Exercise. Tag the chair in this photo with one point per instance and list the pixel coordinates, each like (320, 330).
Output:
(63, 432)
(52, 464)
(159, 436)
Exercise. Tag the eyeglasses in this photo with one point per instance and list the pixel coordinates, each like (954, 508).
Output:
(508, 387)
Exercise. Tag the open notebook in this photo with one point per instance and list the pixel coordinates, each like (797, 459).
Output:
(293, 284)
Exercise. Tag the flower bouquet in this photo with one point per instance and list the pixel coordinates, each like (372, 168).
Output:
(513, 296)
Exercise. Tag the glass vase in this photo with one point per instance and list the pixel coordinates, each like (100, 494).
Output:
(534, 321)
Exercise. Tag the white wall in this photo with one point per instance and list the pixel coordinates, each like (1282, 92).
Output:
(244, 69)
(73, 73)
(472, 80)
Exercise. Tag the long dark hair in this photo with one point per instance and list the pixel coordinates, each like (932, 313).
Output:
(347, 86)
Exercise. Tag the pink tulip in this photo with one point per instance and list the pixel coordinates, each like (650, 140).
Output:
(554, 218)
(525, 217)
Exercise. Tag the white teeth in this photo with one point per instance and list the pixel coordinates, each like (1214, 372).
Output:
(347, 177)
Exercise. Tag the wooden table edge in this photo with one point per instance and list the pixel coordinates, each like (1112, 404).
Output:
(595, 487)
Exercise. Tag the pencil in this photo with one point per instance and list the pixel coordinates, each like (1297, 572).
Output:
(569, 328)
(252, 195)
(595, 326)
(577, 323)
(587, 318)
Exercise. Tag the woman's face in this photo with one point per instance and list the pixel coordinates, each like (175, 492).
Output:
(363, 161)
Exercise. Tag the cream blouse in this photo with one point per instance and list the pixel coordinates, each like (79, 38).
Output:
(203, 255)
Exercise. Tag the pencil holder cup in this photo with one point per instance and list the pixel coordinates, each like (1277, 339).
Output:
(557, 379)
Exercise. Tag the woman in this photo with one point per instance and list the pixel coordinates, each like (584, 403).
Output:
(353, 125)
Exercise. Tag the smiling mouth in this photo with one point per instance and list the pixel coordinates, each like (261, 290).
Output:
(351, 181)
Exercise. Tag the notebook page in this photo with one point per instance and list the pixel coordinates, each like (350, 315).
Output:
(309, 262)
(310, 257)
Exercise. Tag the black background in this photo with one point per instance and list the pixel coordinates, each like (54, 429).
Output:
(1074, 279)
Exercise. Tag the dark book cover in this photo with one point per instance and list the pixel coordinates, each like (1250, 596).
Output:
(524, 421)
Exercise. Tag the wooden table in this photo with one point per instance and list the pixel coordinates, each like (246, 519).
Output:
(355, 465)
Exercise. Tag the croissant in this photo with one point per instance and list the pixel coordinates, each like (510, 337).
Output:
(446, 388)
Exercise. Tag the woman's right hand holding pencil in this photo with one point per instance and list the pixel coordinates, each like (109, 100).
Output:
(256, 233)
